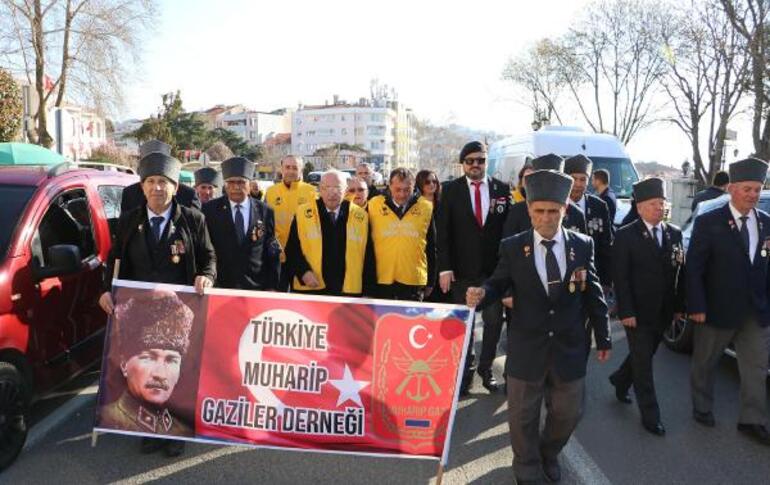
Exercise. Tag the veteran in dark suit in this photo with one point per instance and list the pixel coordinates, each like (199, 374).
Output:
(550, 273)
(600, 180)
(717, 189)
(162, 242)
(727, 297)
(469, 228)
(518, 216)
(208, 183)
(242, 231)
(648, 272)
(133, 195)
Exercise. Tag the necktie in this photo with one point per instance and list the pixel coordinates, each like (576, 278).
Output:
(552, 270)
(745, 234)
(333, 217)
(477, 203)
(156, 222)
(239, 231)
(655, 236)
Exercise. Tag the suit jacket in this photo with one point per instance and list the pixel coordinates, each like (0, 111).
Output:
(542, 332)
(706, 194)
(599, 227)
(721, 279)
(133, 197)
(518, 219)
(608, 196)
(253, 264)
(649, 280)
(138, 260)
(463, 247)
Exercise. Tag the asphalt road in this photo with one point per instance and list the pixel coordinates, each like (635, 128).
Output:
(609, 447)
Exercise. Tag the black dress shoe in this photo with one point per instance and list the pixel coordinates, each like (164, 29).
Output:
(655, 428)
(151, 445)
(488, 381)
(552, 470)
(704, 418)
(621, 394)
(756, 431)
(174, 448)
(465, 385)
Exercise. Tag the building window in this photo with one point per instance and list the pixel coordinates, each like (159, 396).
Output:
(344, 131)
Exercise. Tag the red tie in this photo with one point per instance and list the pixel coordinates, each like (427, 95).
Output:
(477, 203)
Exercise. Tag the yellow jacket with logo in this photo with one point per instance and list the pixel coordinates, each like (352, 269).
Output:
(284, 202)
(311, 242)
(402, 246)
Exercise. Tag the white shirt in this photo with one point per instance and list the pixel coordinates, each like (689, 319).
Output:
(333, 214)
(166, 216)
(581, 203)
(753, 230)
(484, 188)
(559, 250)
(245, 212)
(660, 231)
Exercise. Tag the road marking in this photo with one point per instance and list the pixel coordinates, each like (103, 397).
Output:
(53, 420)
(165, 471)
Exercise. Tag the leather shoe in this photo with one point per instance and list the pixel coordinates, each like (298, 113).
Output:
(621, 395)
(151, 445)
(655, 428)
(551, 470)
(174, 448)
(756, 431)
(488, 381)
(465, 385)
(704, 418)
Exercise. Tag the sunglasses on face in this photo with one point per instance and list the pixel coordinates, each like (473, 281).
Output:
(475, 161)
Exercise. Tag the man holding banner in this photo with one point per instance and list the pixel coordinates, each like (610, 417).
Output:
(163, 242)
(324, 231)
(552, 278)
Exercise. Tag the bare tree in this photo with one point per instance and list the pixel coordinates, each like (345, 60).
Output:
(706, 77)
(219, 152)
(611, 64)
(72, 49)
(537, 72)
(750, 19)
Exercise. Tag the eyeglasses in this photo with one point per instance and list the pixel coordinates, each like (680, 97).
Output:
(357, 190)
(475, 161)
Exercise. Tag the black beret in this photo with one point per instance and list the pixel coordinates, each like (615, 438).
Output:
(157, 163)
(578, 164)
(548, 162)
(748, 170)
(153, 146)
(158, 320)
(651, 188)
(238, 167)
(472, 147)
(208, 175)
(548, 185)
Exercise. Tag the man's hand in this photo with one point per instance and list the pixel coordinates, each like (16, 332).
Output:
(202, 282)
(603, 355)
(474, 295)
(105, 301)
(310, 280)
(678, 316)
(428, 290)
(629, 322)
(508, 302)
(445, 280)
(697, 317)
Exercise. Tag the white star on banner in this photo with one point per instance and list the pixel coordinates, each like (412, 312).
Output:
(349, 388)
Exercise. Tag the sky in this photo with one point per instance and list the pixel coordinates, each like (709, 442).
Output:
(444, 58)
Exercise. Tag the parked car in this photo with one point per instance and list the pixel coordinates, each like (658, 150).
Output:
(679, 335)
(56, 226)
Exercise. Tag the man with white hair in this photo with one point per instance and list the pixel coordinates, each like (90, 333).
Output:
(321, 233)
(365, 172)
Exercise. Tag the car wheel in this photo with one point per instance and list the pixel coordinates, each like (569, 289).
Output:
(678, 336)
(14, 404)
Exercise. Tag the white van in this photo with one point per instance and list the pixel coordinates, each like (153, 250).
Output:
(507, 156)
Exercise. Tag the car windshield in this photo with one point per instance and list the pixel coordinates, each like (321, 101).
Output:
(622, 174)
(15, 198)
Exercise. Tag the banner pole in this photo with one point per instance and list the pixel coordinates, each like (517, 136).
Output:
(439, 473)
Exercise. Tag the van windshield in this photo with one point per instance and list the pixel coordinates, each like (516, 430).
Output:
(15, 198)
(622, 174)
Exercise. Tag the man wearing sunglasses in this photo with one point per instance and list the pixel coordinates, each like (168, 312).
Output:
(472, 212)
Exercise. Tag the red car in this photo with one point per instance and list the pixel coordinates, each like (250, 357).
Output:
(55, 234)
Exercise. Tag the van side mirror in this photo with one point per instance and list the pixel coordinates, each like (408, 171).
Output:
(63, 259)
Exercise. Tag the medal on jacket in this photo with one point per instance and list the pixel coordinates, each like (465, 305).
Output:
(571, 287)
(765, 247)
(527, 251)
(578, 277)
(176, 250)
(258, 231)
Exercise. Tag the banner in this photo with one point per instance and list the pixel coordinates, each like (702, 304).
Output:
(347, 375)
